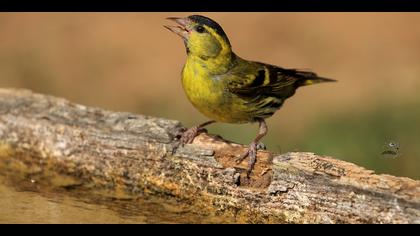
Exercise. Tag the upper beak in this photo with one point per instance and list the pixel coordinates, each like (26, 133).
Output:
(181, 29)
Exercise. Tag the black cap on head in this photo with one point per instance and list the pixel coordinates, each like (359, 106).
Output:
(210, 23)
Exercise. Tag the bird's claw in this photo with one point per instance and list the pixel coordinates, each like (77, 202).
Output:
(251, 152)
(188, 135)
(261, 146)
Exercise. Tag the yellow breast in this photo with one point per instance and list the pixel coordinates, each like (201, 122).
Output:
(209, 94)
(206, 93)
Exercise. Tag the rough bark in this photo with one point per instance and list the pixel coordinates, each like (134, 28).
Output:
(129, 155)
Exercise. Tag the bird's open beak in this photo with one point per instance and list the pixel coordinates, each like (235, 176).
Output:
(181, 29)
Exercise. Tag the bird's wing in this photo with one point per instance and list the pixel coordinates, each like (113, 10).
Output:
(254, 78)
(264, 88)
(259, 79)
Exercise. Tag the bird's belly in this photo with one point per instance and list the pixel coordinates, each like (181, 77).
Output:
(212, 100)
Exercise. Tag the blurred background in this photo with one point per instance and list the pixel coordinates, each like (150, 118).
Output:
(129, 62)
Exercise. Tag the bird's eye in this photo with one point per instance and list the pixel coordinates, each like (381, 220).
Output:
(200, 29)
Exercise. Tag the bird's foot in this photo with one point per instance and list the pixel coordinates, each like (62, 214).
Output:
(252, 154)
(188, 135)
(261, 146)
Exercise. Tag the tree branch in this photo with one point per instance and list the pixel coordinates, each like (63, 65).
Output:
(137, 155)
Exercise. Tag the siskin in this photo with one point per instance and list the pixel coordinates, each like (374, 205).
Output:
(227, 88)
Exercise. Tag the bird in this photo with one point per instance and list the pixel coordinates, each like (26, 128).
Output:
(227, 88)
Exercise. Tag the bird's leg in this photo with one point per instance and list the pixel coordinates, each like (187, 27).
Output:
(252, 149)
(189, 135)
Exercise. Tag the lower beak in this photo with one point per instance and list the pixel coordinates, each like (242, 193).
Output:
(181, 29)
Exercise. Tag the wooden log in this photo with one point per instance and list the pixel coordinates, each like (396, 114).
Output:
(135, 155)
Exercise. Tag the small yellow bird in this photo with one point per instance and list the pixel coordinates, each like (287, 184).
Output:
(227, 88)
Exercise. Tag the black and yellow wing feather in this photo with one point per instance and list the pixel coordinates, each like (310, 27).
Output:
(265, 87)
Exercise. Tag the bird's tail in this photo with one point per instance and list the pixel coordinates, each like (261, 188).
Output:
(309, 78)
